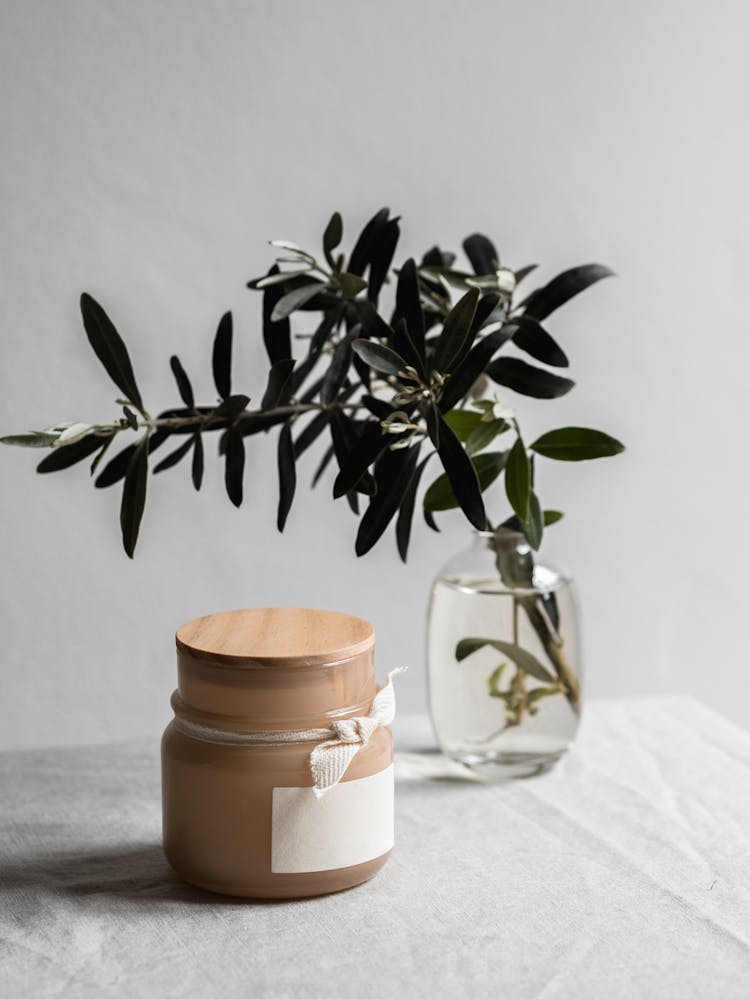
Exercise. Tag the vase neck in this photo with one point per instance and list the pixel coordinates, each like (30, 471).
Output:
(502, 540)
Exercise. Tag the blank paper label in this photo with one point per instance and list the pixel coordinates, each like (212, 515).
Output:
(351, 824)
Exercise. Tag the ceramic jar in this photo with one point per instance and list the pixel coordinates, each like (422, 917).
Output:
(240, 814)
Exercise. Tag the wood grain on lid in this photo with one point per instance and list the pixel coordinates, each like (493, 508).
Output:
(276, 636)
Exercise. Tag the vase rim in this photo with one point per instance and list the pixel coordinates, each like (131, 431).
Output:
(491, 534)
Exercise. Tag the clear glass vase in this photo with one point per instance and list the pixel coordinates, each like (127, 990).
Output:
(503, 658)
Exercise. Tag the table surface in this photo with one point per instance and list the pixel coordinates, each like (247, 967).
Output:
(623, 872)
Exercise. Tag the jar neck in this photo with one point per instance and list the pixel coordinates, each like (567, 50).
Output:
(236, 697)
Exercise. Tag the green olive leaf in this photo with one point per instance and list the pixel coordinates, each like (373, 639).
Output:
(576, 444)
(521, 657)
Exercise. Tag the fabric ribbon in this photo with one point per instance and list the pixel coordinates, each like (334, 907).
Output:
(330, 759)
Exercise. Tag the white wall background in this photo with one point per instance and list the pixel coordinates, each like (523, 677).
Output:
(149, 150)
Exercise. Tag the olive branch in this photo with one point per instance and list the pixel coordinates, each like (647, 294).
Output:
(380, 389)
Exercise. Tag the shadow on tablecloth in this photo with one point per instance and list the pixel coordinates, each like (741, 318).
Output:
(128, 873)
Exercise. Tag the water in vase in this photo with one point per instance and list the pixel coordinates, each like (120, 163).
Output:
(487, 712)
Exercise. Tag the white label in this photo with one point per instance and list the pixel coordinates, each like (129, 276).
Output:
(350, 824)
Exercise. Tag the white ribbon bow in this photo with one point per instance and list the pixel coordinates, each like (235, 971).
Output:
(330, 760)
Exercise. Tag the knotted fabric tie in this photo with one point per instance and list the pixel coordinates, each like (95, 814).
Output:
(328, 760)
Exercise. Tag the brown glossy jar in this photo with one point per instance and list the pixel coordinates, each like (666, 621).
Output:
(243, 819)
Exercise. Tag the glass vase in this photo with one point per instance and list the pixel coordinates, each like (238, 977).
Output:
(503, 658)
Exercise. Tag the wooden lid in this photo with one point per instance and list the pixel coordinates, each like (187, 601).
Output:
(276, 636)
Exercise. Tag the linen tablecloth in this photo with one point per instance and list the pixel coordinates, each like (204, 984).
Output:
(623, 872)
